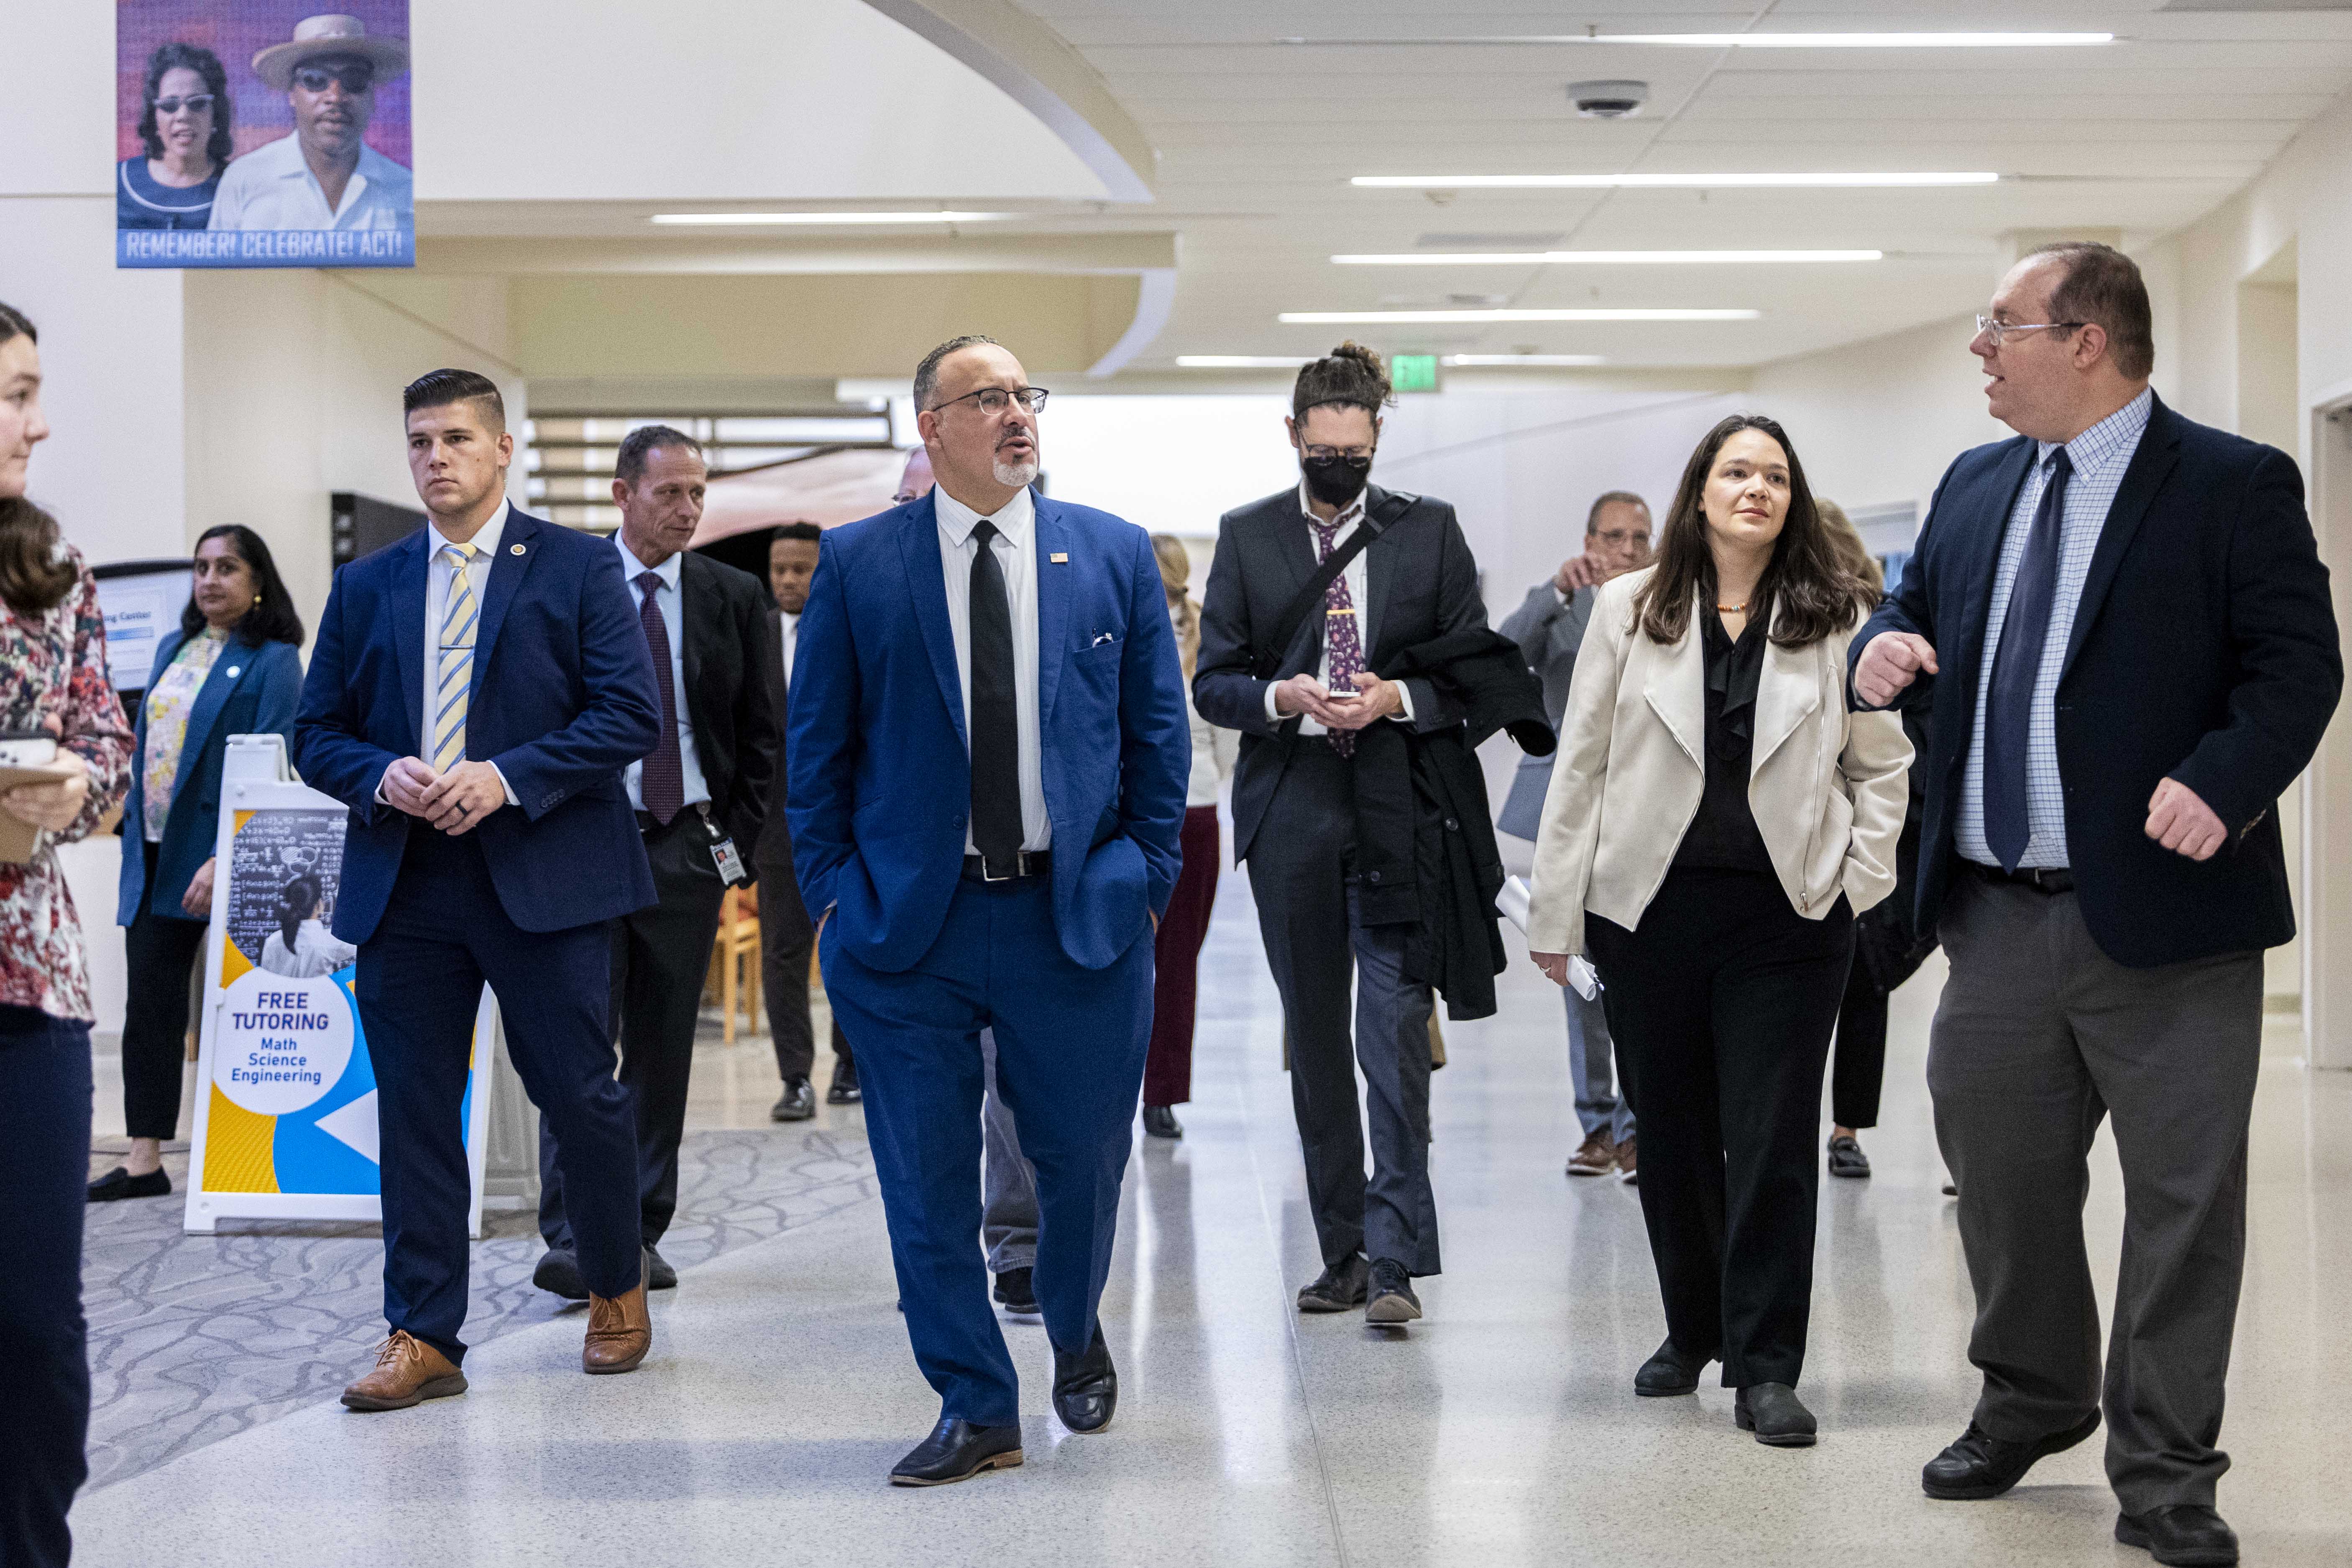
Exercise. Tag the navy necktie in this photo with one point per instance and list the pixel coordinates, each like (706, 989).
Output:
(663, 784)
(995, 716)
(2016, 667)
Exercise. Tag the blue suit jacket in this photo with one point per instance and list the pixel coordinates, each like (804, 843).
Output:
(563, 699)
(880, 768)
(2204, 650)
(251, 690)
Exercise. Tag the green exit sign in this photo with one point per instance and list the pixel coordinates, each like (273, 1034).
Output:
(1413, 372)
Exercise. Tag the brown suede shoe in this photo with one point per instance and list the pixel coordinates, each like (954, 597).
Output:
(619, 1332)
(1595, 1156)
(408, 1372)
(1627, 1161)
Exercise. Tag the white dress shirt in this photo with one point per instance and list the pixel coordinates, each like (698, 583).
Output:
(272, 187)
(438, 575)
(669, 598)
(1016, 551)
(1350, 518)
(790, 639)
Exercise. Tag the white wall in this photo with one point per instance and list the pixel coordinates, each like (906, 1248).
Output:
(1171, 465)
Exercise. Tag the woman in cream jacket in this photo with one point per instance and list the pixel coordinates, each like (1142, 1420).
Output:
(1715, 820)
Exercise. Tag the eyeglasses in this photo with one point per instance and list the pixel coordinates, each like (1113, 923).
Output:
(1619, 538)
(2000, 330)
(196, 103)
(357, 76)
(1355, 457)
(992, 399)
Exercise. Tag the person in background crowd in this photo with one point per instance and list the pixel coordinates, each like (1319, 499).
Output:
(700, 795)
(231, 669)
(302, 948)
(1549, 626)
(787, 935)
(324, 175)
(1300, 702)
(53, 686)
(1719, 902)
(2158, 662)
(988, 759)
(475, 692)
(1176, 951)
(186, 125)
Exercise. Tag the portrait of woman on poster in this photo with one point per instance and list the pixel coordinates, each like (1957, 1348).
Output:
(302, 948)
(185, 123)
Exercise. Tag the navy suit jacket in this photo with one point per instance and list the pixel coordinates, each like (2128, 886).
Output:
(880, 793)
(563, 699)
(2204, 650)
(251, 690)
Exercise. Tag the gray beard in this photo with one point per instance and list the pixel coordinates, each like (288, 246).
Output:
(1016, 476)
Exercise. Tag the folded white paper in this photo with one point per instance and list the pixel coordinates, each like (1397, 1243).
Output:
(1513, 902)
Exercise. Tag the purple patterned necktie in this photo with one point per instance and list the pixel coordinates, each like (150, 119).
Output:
(663, 784)
(1341, 638)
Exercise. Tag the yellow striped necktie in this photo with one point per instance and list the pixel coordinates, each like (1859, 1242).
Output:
(456, 677)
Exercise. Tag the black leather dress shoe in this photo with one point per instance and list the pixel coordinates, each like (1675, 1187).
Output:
(1085, 1386)
(120, 1183)
(1389, 1299)
(1339, 1287)
(2187, 1534)
(1846, 1158)
(659, 1274)
(798, 1104)
(1159, 1122)
(1979, 1465)
(844, 1090)
(1017, 1292)
(1669, 1372)
(559, 1274)
(1774, 1413)
(956, 1451)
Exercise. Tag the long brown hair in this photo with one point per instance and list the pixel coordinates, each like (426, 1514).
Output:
(1808, 590)
(1175, 572)
(35, 574)
(1848, 540)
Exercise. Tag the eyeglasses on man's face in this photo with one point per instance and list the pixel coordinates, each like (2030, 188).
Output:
(1623, 538)
(1354, 456)
(993, 400)
(194, 103)
(357, 76)
(1999, 331)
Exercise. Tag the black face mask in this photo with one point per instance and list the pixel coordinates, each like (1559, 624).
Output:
(1336, 481)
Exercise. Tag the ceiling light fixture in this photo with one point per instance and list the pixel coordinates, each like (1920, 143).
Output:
(1601, 257)
(1664, 182)
(1241, 361)
(1476, 362)
(815, 218)
(1746, 40)
(1409, 318)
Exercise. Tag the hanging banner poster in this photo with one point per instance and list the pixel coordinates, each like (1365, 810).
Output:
(262, 133)
(286, 1099)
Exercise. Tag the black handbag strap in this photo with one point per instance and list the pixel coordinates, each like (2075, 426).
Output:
(1293, 614)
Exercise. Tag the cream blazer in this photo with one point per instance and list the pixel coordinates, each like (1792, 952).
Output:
(1827, 786)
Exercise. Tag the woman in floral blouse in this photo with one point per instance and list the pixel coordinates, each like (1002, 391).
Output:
(52, 682)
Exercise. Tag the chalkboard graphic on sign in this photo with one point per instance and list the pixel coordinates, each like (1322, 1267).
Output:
(286, 868)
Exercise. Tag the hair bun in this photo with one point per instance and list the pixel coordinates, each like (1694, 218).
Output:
(1350, 375)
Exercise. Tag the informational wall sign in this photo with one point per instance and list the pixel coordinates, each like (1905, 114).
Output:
(141, 601)
(263, 133)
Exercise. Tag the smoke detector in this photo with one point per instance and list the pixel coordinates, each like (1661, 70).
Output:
(1608, 99)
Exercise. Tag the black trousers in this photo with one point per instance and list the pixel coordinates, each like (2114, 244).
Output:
(787, 938)
(1859, 1064)
(1721, 1002)
(43, 1167)
(161, 953)
(661, 956)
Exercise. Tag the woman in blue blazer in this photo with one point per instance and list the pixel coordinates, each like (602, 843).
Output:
(232, 668)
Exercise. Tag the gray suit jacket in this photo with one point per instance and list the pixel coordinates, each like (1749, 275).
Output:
(1549, 634)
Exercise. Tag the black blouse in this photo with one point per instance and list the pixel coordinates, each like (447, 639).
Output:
(1723, 837)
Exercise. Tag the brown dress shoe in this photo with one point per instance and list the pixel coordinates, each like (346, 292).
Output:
(1627, 1162)
(408, 1372)
(619, 1332)
(1594, 1156)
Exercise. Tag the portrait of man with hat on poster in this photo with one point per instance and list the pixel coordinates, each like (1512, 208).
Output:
(324, 175)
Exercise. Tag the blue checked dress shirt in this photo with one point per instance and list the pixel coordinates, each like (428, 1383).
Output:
(2100, 456)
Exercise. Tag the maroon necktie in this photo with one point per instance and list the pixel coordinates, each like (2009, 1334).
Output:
(1341, 638)
(663, 784)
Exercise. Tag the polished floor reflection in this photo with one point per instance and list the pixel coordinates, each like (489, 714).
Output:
(1501, 1430)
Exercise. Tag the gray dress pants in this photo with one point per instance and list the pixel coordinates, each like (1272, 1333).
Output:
(2039, 1036)
(1008, 1217)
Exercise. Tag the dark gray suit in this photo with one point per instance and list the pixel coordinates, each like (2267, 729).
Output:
(1295, 823)
(1548, 631)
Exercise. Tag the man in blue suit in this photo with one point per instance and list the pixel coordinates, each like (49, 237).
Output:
(475, 692)
(988, 754)
(2125, 627)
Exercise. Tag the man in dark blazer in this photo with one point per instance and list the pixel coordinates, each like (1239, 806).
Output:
(989, 752)
(2123, 620)
(700, 795)
(474, 694)
(1298, 697)
(787, 935)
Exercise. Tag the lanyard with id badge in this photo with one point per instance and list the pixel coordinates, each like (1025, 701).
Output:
(723, 852)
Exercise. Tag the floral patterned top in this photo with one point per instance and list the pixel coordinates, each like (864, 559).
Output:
(169, 698)
(53, 665)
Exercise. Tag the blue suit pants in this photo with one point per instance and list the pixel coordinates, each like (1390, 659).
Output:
(419, 980)
(1070, 1045)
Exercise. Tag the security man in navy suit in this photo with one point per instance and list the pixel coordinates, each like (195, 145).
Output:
(988, 753)
(2127, 630)
(475, 692)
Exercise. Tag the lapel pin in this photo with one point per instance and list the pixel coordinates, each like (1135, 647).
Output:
(1059, 558)
(231, 672)
(514, 550)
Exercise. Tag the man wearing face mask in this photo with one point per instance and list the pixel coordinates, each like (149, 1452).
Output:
(1296, 678)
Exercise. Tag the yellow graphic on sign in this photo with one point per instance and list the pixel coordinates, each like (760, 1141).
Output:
(239, 1155)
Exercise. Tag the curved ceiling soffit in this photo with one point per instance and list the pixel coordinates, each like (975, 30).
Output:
(1155, 298)
(1030, 63)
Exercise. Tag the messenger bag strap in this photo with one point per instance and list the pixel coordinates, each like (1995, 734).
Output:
(1293, 614)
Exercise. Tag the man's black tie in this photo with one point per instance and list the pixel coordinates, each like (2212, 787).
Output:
(2016, 667)
(995, 715)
